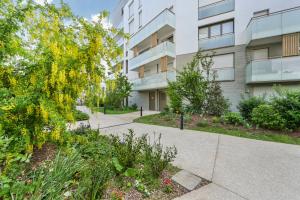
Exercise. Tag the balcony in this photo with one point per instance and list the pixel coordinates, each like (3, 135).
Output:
(165, 19)
(155, 81)
(276, 24)
(217, 42)
(161, 50)
(216, 9)
(273, 70)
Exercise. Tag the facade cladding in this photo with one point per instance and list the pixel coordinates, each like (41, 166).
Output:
(255, 45)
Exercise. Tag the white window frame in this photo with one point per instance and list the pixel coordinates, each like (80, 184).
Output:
(221, 29)
(131, 29)
(131, 9)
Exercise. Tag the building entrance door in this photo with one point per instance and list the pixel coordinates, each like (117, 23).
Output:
(152, 100)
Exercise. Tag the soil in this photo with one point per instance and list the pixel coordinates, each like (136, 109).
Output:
(47, 152)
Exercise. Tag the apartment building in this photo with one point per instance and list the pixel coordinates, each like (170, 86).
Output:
(255, 45)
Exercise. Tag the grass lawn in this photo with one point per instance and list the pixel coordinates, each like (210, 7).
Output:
(201, 124)
(116, 111)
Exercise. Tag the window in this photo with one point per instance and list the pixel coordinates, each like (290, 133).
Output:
(227, 27)
(126, 67)
(131, 27)
(130, 7)
(203, 33)
(260, 54)
(216, 29)
(140, 19)
(140, 3)
(223, 61)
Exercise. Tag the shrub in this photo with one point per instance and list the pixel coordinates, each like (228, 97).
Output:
(126, 151)
(156, 159)
(134, 106)
(266, 116)
(203, 123)
(246, 106)
(288, 105)
(216, 120)
(81, 116)
(233, 118)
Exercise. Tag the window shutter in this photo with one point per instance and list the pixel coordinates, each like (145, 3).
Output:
(164, 64)
(290, 44)
(154, 40)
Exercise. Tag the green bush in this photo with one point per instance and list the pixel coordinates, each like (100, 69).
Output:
(266, 116)
(81, 116)
(288, 105)
(127, 150)
(203, 123)
(156, 159)
(233, 118)
(246, 106)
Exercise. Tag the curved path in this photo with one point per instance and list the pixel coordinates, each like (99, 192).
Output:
(238, 168)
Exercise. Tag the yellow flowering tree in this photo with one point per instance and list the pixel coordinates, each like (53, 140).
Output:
(48, 59)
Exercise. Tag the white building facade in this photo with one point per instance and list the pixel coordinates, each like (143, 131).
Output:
(256, 44)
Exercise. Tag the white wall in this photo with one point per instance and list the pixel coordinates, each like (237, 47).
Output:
(187, 22)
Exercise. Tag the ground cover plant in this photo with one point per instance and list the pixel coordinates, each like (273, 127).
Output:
(99, 167)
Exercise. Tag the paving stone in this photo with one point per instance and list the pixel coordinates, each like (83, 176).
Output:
(187, 180)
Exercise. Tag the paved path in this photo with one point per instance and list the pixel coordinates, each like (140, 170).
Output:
(239, 168)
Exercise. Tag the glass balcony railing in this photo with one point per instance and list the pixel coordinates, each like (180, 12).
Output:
(217, 8)
(155, 81)
(161, 50)
(165, 18)
(273, 70)
(275, 24)
(217, 42)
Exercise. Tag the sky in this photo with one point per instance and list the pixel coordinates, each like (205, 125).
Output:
(87, 8)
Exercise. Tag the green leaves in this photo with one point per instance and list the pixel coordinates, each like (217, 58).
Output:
(117, 165)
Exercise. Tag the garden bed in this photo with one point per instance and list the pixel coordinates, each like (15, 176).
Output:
(116, 111)
(93, 166)
(215, 125)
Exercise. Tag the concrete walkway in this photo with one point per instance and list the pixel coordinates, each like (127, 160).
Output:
(238, 168)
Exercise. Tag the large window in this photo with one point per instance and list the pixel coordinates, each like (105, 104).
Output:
(215, 30)
(223, 61)
(131, 27)
(131, 8)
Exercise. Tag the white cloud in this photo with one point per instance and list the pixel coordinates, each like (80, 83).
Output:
(105, 22)
(42, 2)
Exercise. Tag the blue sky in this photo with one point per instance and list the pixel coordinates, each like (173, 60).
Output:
(88, 8)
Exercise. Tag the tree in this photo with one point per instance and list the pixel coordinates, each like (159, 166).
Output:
(196, 88)
(118, 90)
(48, 59)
